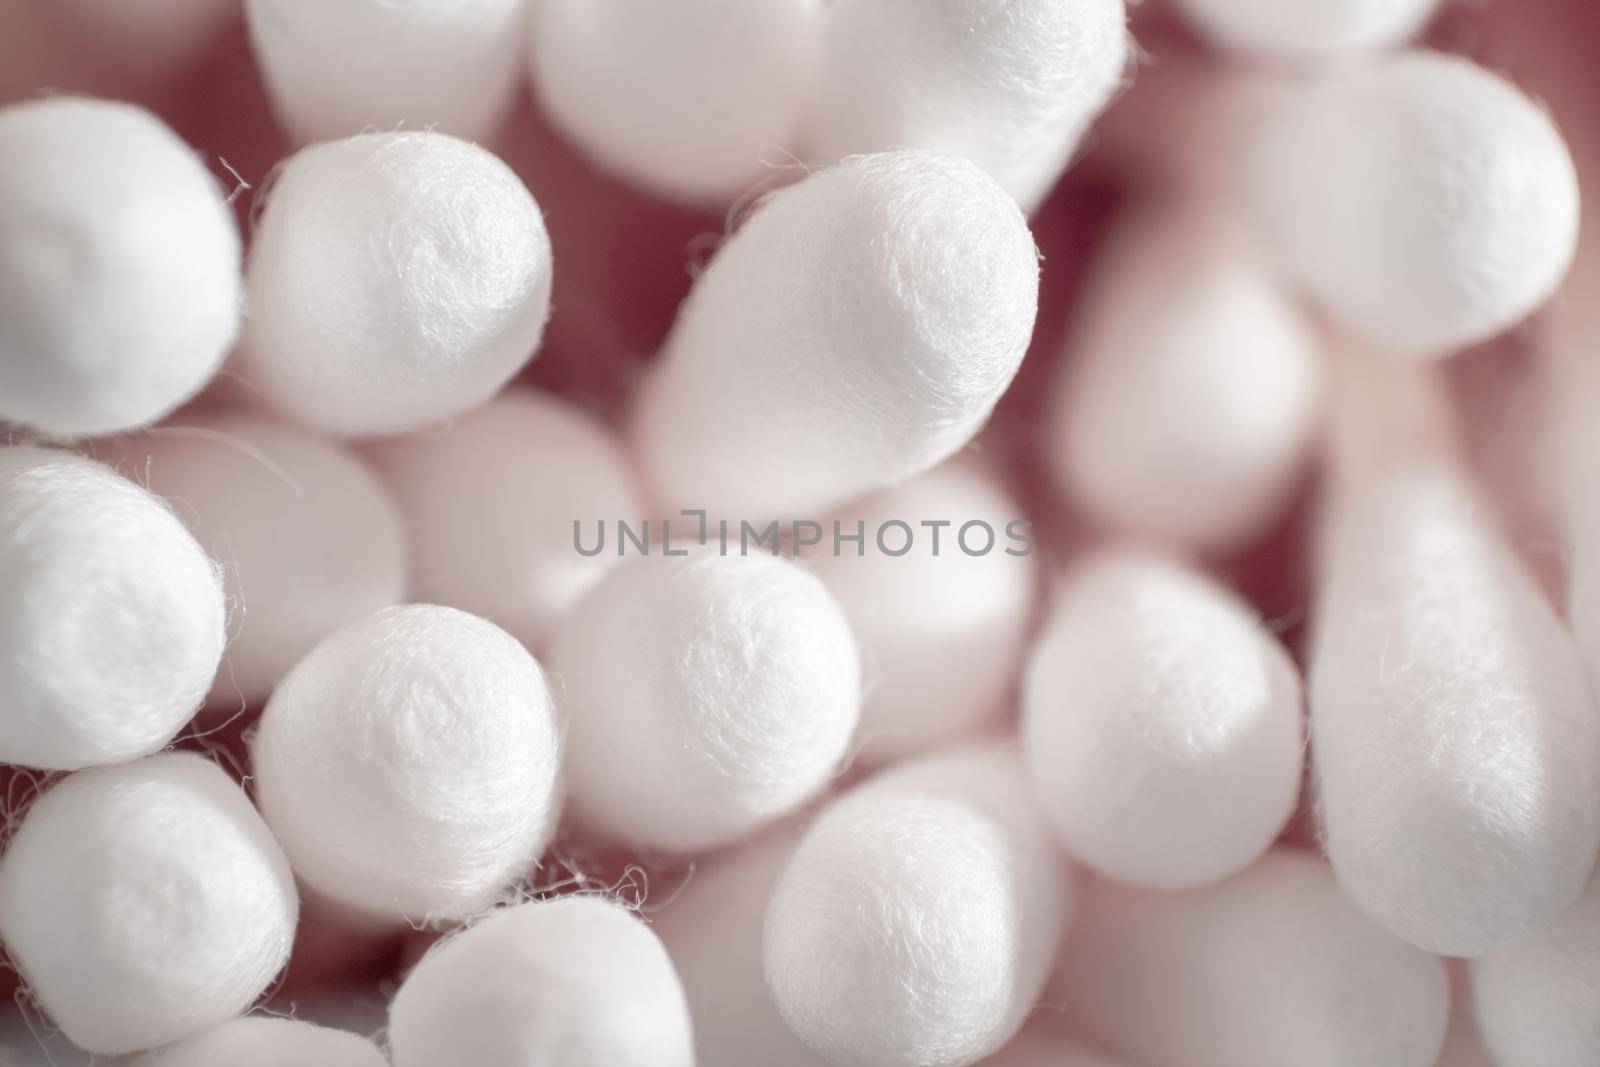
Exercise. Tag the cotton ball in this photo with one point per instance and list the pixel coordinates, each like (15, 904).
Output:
(577, 981)
(857, 330)
(1307, 29)
(1011, 86)
(396, 279)
(408, 764)
(1538, 1001)
(1161, 724)
(113, 615)
(918, 919)
(1189, 405)
(262, 1041)
(119, 268)
(1273, 968)
(334, 70)
(704, 697)
(712, 930)
(491, 502)
(306, 536)
(144, 902)
(1426, 203)
(941, 631)
(686, 99)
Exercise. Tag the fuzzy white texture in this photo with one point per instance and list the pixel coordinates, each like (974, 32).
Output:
(856, 330)
(1012, 85)
(119, 268)
(264, 1041)
(489, 504)
(1426, 203)
(1188, 403)
(409, 764)
(941, 635)
(1162, 724)
(1273, 968)
(395, 280)
(1538, 1001)
(703, 697)
(1455, 741)
(336, 69)
(113, 623)
(691, 100)
(577, 981)
(919, 918)
(1301, 30)
(712, 931)
(306, 536)
(145, 902)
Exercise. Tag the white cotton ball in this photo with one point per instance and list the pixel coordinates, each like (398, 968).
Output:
(396, 279)
(335, 69)
(304, 532)
(1307, 29)
(409, 764)
(1162, 725)
(854, 332)
(144, 902)
(1426, 203)
(712, 930)
(703, 697)
(113, 619)
(1011, 86)
(577, 981)
(941, 633)
(1456, 745)
(690, 99)
(1273, 968)
(263, 1041)
(119, 268)
(490, 505)
(1538, 1001)
(918, 920)
(1188, 404)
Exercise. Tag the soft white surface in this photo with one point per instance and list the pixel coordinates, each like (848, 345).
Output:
(854, 332)
(1307, 29)
(703, 697)
(263, 1041)
(489, 505)
(144, 902)
(578, 981)
(119, 268)
(692, 99)
(395, 280)
(336, 69)
(113, 620)
(1273, 968)
(918, 919)
(409, 764)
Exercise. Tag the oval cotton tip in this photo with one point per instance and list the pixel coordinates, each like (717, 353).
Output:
(874, 960)
(577, 981)
(1305, 30)
(335, 70)
(704, 697)
(119, 268)
(1426, 203)
(1162, 725)
(265, 1041)
(145, 902)
(691, 100)
(396, 280)
(1190, 396)
(408, 764)
(1012, 87)
(854, 332)
(114, 620)
(1271, 967)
